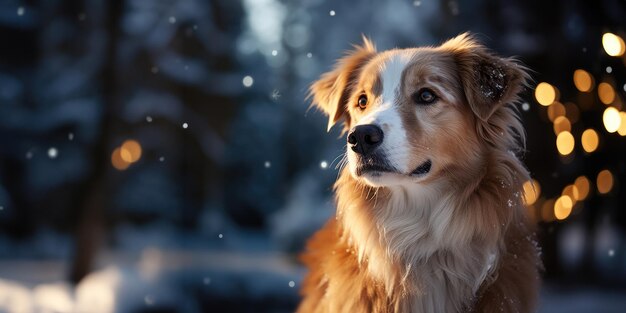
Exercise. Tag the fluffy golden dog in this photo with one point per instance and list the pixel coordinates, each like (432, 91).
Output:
(429, 203)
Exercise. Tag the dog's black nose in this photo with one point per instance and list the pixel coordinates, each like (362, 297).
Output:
(363, 139)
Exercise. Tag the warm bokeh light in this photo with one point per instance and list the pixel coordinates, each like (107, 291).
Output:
(555, 110)
(611, 119)
(130, 151)
(583, 80)
(583, 186)
(563, 207)
(565, 143)
(606, 93)
(604, 181)
(545, 94)
(622, 126)
(572, 192)
(532, 191)
(590, 140)
(561, 124)
(117, 160)
(613, 44)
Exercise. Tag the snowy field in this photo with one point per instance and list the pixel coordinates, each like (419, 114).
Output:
(153, 280)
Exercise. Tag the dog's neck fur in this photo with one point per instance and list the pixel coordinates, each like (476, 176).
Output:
(417, 241)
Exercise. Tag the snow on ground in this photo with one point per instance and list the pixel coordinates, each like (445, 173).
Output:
(581, 300)
(155, 279)
(177, 281)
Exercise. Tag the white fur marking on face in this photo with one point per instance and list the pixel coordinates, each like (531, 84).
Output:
(391, 75)
(387, 115)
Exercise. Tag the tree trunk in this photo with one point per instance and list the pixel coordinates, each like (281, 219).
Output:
(90, 227)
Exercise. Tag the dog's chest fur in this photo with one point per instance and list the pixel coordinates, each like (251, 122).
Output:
(416, 246)
(400, 252)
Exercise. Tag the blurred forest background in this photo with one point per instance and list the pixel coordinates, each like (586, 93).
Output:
(159, 156)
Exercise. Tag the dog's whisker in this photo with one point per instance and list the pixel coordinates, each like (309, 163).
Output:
(342, 155)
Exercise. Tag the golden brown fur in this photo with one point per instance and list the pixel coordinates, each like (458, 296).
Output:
(459, 239)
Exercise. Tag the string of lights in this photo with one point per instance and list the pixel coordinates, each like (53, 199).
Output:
(563, 116)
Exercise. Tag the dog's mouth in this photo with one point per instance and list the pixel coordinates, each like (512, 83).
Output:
(374, 165)
(374, 169)
(377, 168)
(424, 168)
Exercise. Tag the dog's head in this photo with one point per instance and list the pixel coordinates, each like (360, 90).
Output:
(412, 115)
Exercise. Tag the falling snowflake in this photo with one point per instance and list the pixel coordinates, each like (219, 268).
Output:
(525, 106)
(274, 52)
(53, 152)
(29, 155)
(70, 136)
(220, 236)
(324, 164)
(292, 283)
(149, 119)
(332, 13)
(417, 3)
(275, 94)
(20, 11)
(267, 164)
(1, 208)
(185, 125)
(310, 55)
(611, 252)
(161, 159)
(172, 20)
(247, 81)
(609, 69)
(207, 280)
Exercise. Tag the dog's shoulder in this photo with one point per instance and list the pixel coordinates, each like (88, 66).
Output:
(334, 270)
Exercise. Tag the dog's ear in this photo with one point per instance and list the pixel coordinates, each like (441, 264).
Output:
(330, 93)
(489, 81)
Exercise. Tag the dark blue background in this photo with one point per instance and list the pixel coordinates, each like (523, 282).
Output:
(212, 216)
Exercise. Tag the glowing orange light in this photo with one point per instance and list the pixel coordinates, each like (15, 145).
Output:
(606, 93)
(590, 140)
(563, 207)
(561, 124)
(555, 110)
(130, 151)
(545, 94)
(532, 190)
(604, 181)
(572, 192)
(583, 186)
(622, 126)
(583, 80)
(611, 119)
(565, 143)
(613, 44)
(117, 161)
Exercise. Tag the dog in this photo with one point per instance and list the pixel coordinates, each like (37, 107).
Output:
(430, 214)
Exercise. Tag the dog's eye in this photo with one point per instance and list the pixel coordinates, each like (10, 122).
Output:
(424, 96)
(362, 102)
